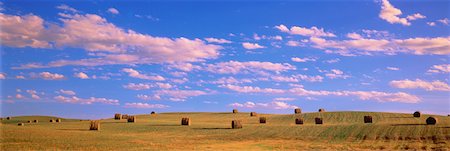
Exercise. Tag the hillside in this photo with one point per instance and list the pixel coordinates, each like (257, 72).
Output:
(341, 130)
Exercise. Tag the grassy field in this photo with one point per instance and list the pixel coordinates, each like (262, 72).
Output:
(212, 131)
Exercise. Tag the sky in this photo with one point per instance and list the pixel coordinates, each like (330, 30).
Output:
(80, 59)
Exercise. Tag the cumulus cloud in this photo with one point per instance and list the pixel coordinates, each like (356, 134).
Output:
(23, 31)
(138, 86)
(145, 106)
(296, 59)
(418, 46)
(2, 76)
(248, 45)
(296, 78)
(113, 11)
(335, 74)
(393, 68)
(95, 34)
(235, 67)
(49, 76)
(148, 97)
(420, 84)
(18, 77)
(218, 40)
(284, 99)
(184, 66)
(362, 95)
(231, 80)
(81, 75)
(66, 8)
(91, 100)
(135, 74)
(391, 14)
(67, 92)
(273, 105)
(250, 89)
(33, 94)
(442, 68)
(310, 32)
(444, 21)
(179, 95)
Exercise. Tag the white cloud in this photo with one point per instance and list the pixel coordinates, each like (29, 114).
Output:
(393, 68)
(218, 40)
(362, 95)
(95, 34)
(310, 32)
(296, 78)
(415, 16)
(164, 85)
(184, 66)
(19, 77)
(442, 68)
(444, 21)
(145, 106)
(113, 11)
(296, 59)
(135, 74)
(66, 8)
(431, 23)
(248, 45)
(390, 14)
(91, 100)
(354, 36)
(49, 76)
(274, 105)
(284, 99)
(418, 46)
(180, 95)
(33, 94)
(250, 89)
(333, 60)
(231, 80)
(420, 84)
(335, 74)
(139, 86)
(67, 92)
(235, 67)
(2, 76)
(19, 96)
(81, 75)
(148, 97)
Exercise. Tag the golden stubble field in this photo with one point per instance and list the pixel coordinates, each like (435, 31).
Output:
(212, 131)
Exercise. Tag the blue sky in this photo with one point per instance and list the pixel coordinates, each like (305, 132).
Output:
(94, 59)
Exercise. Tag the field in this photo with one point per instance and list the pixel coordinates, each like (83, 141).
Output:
(212, 131)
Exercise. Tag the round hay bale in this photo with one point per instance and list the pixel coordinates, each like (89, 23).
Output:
(29, 121)
(253, 114)
(58, 120)
(236, 124)
(235, 111)
(117, 116)
(318, 120)
(153, 113)
(35, 121)
(299, 121)
(297, 111)
(21, 124)
(131, 119)
(95, 126)
(431, 120)
(367, 119)
(185, 121)
(416, 114)
(322, 110)
(262, 120)
(52, 120)
(8, 118)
